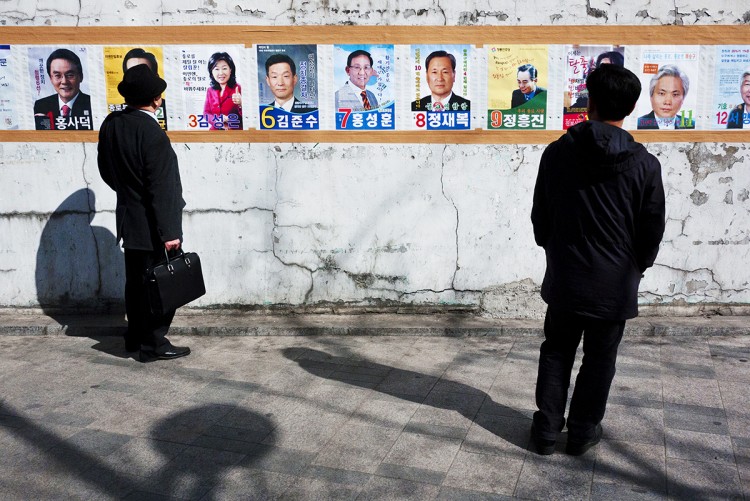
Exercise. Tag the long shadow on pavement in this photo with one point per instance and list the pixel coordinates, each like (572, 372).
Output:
(193, 449)
(475, 405)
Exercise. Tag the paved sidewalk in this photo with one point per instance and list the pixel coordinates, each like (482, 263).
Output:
(364, 417)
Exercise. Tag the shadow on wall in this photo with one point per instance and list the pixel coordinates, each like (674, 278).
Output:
(79, 266)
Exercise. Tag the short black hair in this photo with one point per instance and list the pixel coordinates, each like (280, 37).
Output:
(530, 68)
(68, 55)
(140, 54)
(614, 58)
(280, 58)
(440, 53)
(215, 58)
(613, 90)
(358, 53)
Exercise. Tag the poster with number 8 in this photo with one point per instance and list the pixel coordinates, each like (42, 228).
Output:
(441, 90)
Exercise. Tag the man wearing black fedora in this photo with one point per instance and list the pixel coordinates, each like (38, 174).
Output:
(136, 160)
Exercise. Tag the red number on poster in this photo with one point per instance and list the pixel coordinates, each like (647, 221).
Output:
(347, 113)
(496, 118)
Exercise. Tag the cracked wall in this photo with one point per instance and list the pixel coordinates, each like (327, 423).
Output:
(347, 227)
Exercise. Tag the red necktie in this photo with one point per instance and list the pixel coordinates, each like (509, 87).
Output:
(365, 101)
(65, 110)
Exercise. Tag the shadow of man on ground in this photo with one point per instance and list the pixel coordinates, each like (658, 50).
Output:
(80, 269)
(475, 405)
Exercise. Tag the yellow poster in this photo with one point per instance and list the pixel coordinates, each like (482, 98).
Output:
(119, 58)
(517, 86)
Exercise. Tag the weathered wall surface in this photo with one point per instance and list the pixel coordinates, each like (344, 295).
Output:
(321, 226)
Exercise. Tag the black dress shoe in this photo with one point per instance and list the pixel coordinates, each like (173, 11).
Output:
(170, 353)
(576, 448)
(544, 446)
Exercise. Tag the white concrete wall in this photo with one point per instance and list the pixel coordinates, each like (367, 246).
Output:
(304, 226)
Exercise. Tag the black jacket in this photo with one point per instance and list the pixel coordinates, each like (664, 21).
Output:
(599, 215)
(136, 160)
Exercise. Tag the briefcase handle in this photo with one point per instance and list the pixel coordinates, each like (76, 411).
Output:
(182, 255)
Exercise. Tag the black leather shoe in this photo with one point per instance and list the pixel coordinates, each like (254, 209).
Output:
(544, 446)
(576, 448)
(171, 353)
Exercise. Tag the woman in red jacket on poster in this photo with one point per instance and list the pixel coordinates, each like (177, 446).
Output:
(223, 105)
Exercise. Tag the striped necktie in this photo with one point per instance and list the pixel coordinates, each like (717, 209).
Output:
(365, 101)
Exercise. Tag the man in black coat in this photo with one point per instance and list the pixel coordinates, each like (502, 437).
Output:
(136, 160)
(68, 108)
(599, 214)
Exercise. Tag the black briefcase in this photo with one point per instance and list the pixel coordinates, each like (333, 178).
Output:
(175, 282)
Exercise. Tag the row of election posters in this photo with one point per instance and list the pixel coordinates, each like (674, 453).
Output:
(373, 87)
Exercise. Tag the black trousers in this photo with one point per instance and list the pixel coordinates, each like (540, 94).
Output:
(562, 333)
(143, 327)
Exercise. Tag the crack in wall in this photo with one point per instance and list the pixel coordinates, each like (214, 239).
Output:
(442, 189)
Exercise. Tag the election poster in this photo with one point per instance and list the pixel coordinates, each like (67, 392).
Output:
(8, 117)
(117, 59)
(288, 87)
(211, 79)
(669, 77)
(441, 87)
(365, 80)
(731, 99)
(59, 88)
(580, 60)
(517, 87)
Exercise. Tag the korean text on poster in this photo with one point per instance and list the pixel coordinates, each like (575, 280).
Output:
(516, 87)
(117, 59)
(669, 77)
(8, 117)
(211, 87)
(364, 97)
(288, 87)
(441, 89)
(731, 99)
(580, 60)
(59, 89)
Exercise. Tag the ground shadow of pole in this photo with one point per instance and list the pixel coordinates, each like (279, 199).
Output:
(80, 269)
(505, 422)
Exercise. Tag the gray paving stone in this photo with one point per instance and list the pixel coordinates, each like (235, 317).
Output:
(695, 446)
(397, 489)
(496, 474)
(566, 476)
(699, 480)
(423, 451)
(630, 465)
(73, 427)
(695, 418)
(634, 424)
(357, 447)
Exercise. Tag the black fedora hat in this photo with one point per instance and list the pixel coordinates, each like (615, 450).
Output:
(140, 85)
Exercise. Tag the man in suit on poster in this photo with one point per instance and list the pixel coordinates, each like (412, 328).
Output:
(526, 78)
(441, 74)
(136, 160)
(281, 77)
(354, 93)
(66, 74)
(740, 113)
